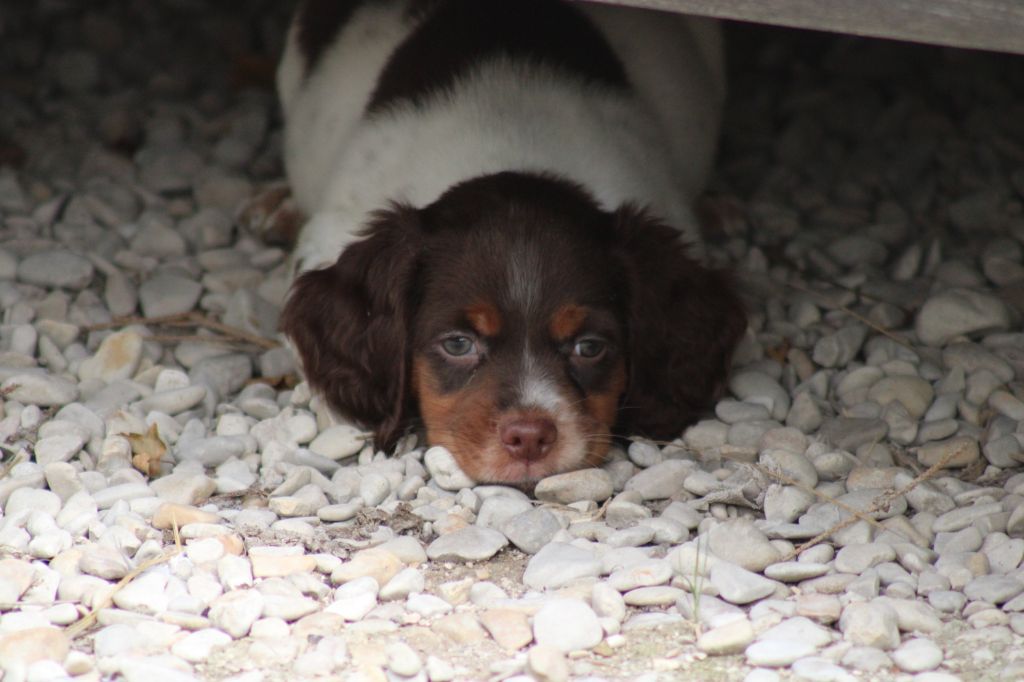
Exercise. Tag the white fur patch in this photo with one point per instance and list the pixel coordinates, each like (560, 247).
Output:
(652, 146)
(537, 389)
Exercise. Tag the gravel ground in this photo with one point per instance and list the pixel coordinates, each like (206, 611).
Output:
(176, 507)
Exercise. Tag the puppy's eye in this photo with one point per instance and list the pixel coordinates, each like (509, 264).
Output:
(589, 348)
(458, 346)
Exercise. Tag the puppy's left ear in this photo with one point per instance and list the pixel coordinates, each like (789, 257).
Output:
(684, 322)
(351, 321)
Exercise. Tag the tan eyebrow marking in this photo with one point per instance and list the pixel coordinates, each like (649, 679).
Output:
(566, 321)
(484, 318)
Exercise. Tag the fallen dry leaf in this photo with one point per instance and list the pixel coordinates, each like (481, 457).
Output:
(148, 450)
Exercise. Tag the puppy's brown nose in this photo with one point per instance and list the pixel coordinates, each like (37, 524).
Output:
(528, 438)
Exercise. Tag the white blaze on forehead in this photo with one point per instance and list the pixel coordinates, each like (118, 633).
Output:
(536, 387)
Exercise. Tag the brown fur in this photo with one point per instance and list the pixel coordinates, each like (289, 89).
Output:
(369, 328)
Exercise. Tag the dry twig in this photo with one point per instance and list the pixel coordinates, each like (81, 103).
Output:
(229, 334)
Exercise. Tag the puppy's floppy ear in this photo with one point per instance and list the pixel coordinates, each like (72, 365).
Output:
(350, 323)
(684, 321)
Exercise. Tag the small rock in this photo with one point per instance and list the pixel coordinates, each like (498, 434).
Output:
(197, 646)
(662, 480)
(531, 530)
(917, 655)
(445, 470)
(870, 624)
(757, 387)
(467, 544)
(377, 563)
(166, 294)
(575, 486)
(58, 268)
(403, 660)
(427, 605)
(169, 514)
(993, 589)
(338, 442)
(117, 357)
(184, 489)
(568, 625)
(25, 500)
(407, 581)
(647, 573)
(777, 653)
(913, 393)
(236, 611)
(60, 448)
(741, 543)
(559, 564)
(270, 566)
(547, 662)
(44, 390)
(958, 452)
(957, 312)
(24, 647)
(737, 585)
(731, 638)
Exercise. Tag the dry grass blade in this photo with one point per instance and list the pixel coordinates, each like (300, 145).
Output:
(832, 305)
(880, 503)
(86, 621)
(820, 495)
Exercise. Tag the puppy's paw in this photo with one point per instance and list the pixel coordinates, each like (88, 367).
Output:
(273, 215)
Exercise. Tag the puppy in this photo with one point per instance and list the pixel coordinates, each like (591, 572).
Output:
(508, 185)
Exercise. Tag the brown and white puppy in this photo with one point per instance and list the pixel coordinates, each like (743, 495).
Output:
(480, 165)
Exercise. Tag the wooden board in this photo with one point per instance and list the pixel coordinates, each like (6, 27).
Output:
(984, 24)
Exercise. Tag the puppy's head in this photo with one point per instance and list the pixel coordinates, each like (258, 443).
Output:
(522, 324)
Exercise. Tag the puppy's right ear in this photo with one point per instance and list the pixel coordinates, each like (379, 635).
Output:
(350, 323)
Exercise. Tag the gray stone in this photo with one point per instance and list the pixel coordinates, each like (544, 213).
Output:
(962, 517)
(575, 486)
(737, 585)
(849, 433)
(777, 653)
(870, 624)
(568, 625)
(993, 589)
(957, 312)
(236, 611)
(57, 268)
(559, 564)
(915, 394)
(44, 390)
(857, 558)
(531, 530)
(758, 387)
(59, 448)
(837, 349)
(472, 543)
(167, 294)
(662, 480)
(739, 541)
(917, 655)
(444, 469)
(647, 573)
(339, 441)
